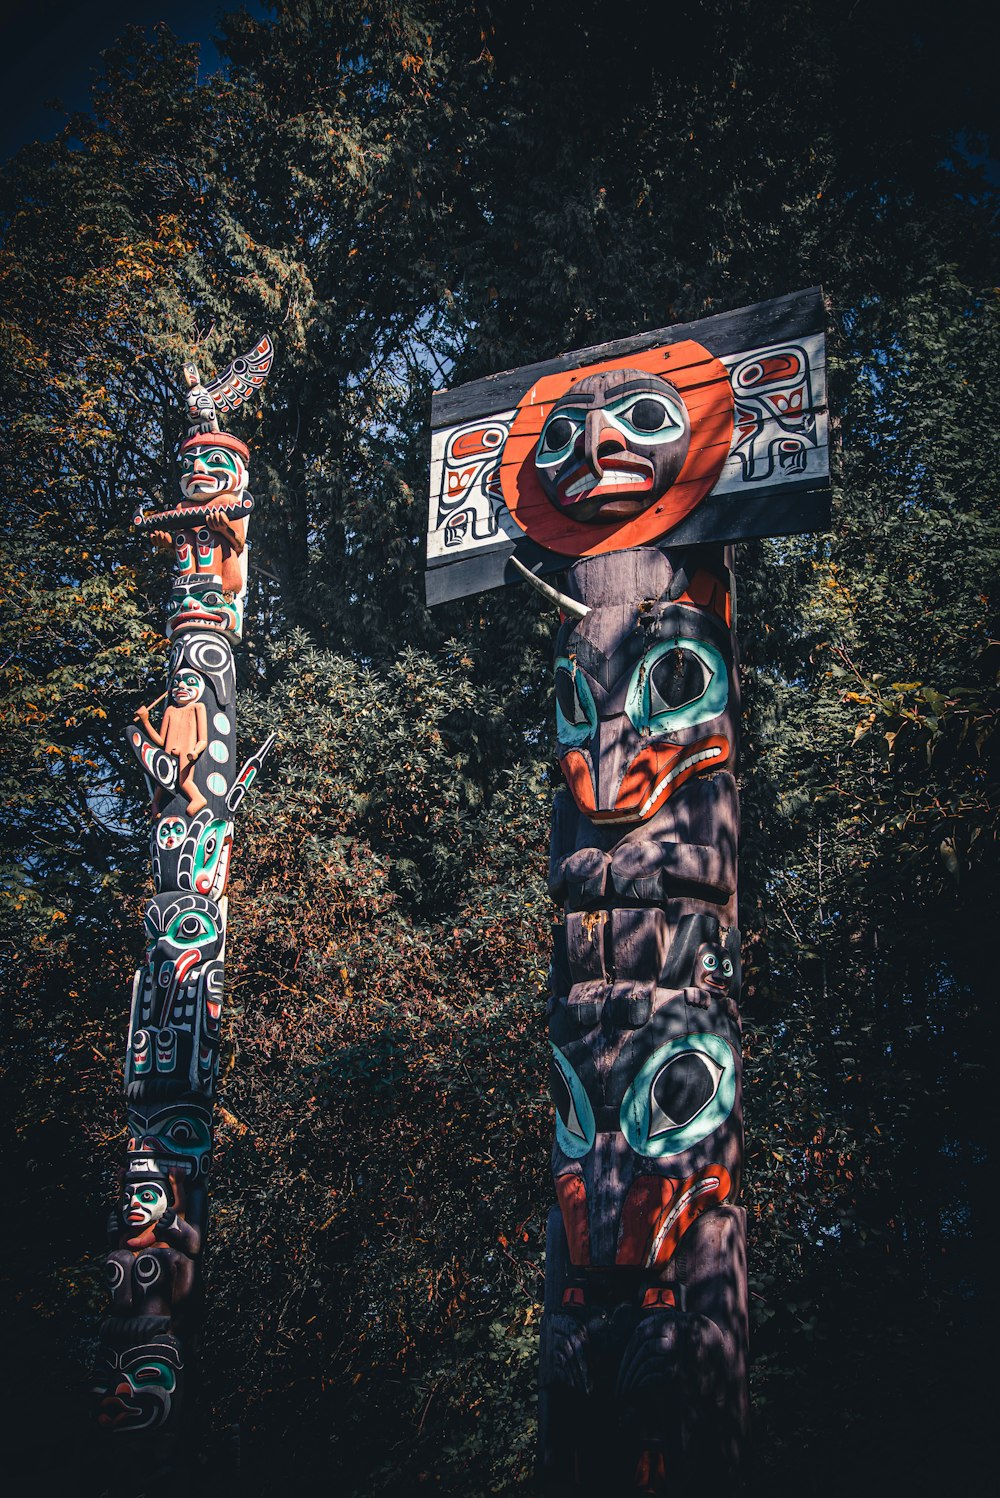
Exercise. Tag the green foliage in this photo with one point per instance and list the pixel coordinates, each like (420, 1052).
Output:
(406, 198)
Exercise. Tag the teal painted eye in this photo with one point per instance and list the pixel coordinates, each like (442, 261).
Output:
(209, 457)
(650, 417)
(576, 712)
(187, 1136)
(575, 1126)
(152, 1375)
(685, 1091)
(677, 684)
(218, 457)
(558, 436)
(189, 928)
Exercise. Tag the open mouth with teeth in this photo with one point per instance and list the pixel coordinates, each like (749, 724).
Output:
(618, 491)
(200, 617)
(652, 777)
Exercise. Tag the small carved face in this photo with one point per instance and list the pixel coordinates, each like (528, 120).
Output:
(612, 445)
(170, 833)
(138, 1387)
(143, 1203)
(209, 471)
(186, 688)
(198, 602)
(178, 1135)
(713, 968)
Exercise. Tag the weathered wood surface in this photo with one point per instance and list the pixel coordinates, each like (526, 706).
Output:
(794, 316)
(755, 461)
(646, 1293)
(795, 510)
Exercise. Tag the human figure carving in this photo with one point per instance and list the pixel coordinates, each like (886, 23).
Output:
(183, 733)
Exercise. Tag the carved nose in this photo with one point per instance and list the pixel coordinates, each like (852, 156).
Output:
(600, 440)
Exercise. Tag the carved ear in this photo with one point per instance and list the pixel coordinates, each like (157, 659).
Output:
(567, 605)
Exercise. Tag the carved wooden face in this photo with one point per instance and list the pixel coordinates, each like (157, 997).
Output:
(198, 602)
(137, 1386)
(648, 1126)
(211, 468)
(176, 1135)
(612, 445)
(186, 688)
(144, 1201)
(643, 703)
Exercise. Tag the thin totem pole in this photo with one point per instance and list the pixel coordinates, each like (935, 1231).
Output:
(158, 1225)
(626, 469)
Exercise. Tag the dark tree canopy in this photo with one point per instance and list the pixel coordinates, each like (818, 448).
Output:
(405, 197)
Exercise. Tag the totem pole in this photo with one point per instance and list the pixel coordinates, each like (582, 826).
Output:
(157, 1228)
(628, 470)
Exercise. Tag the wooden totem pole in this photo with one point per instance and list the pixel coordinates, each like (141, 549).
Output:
(158, 1225)
(627, 471)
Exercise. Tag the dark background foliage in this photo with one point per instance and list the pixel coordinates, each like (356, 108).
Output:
(408, 196)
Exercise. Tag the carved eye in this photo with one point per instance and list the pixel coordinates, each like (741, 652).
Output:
(114, 1274)
(681, 1090)
(684, 1092)
(576, 712)
(219, 458)
(193, 926)
(147, 1374)
(181, 1132)
(727, 967)
(678, 684)
(676, 680)
(710, 962)
(576, 1129)
(558, 436)
(650, 416)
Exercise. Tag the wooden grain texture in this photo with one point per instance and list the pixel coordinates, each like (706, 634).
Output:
(649, 1316)
(783, 318)
(798, 507)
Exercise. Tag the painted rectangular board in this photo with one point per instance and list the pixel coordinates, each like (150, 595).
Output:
(714, 430)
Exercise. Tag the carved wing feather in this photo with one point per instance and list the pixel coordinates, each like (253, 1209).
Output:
(245, 375)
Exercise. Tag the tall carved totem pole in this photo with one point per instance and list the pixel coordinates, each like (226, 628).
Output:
(159, 1222)
(627, 471)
